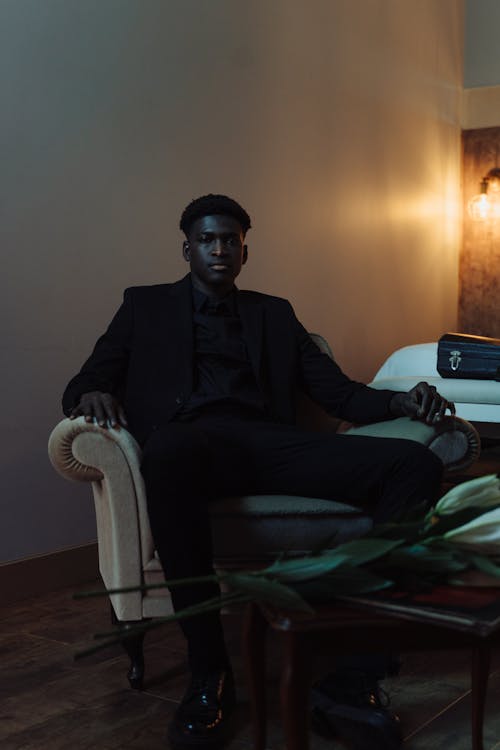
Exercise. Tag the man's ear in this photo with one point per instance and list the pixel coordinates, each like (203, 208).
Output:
(245, 255)
(186, 254)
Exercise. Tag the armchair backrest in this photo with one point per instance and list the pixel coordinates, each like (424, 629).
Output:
(309, 415)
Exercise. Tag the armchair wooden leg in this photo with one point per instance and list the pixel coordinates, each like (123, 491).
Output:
(294, 692)
(133, 646)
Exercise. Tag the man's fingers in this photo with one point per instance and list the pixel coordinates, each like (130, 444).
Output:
(425, 397)
(109, 409)
(121, 416)
(114, 411)
(432, 406)
(92, 407)
(446, 405)
(98, 411)
(83, 409)
(442, 408)
(424, 402)
(434, 410)
(102, 407)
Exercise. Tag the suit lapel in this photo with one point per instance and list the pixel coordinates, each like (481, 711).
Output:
(178, 321)
(252, 322)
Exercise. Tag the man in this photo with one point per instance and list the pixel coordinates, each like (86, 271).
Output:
(205, 377)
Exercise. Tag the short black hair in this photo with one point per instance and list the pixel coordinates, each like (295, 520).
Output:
(214, 205)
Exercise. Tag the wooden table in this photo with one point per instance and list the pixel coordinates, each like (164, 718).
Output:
(341, 629)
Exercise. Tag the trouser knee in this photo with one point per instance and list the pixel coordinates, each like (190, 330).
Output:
(411, 483)
(175, 449)
(176, 466)
(424, 466)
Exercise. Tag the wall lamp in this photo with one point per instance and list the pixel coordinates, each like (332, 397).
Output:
(486, 204)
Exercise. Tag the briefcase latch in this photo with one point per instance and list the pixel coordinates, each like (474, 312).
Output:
(455, 359)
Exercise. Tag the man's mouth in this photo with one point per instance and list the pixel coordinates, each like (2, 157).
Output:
(219, 266)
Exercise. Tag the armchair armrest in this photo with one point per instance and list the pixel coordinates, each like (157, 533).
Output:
(65, 440)
(453, 439)
(110, 459)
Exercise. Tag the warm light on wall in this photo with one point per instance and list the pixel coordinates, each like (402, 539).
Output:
(478, 308)
(486, 205)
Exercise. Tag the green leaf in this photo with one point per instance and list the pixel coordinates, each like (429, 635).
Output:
(356, 552)
(150, 586)
(328, 543)
(265, 590)
(422, 558)
(485, 565)
(361, 551)
(345, 581)
(408, 531)
(302, 568)
(117, 635)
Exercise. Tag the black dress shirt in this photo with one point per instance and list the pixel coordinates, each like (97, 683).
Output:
(223, 377)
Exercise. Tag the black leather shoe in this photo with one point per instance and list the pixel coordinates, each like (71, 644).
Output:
(201, 721)
(355, 710)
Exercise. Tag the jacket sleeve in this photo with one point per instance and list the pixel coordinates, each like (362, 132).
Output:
(106, 368)
(324, 382)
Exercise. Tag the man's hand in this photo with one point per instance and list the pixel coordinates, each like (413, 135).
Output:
(103, 406)
(422, 402)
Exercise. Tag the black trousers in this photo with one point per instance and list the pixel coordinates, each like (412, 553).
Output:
(187, 464)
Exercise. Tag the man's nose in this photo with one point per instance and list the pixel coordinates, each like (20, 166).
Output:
(218, 248)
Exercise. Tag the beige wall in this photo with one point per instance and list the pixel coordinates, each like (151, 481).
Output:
(335, 122)
(481, 107)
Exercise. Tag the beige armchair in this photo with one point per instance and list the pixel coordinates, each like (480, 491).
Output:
(246, 530)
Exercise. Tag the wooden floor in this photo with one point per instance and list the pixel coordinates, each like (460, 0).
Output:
(51, 702)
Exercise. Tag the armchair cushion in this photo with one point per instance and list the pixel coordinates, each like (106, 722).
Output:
(454, 440)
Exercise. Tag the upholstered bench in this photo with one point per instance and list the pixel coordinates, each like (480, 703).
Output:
(476, 400)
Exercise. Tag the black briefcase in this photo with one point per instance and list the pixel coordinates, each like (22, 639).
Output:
(465, 356)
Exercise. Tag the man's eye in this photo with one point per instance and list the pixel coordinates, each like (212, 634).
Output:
(205, 238)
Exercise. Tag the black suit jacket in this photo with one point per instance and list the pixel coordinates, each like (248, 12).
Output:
(145, 359)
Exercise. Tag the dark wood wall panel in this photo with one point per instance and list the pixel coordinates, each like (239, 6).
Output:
(479, 299)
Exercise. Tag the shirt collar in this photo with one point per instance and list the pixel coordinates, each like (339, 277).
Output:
(201, 301)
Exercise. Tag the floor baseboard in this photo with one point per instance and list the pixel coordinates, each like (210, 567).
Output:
(41, 574)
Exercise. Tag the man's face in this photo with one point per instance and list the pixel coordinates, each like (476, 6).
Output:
(216, 251)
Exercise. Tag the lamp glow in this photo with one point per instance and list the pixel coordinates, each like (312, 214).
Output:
(486, 205)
